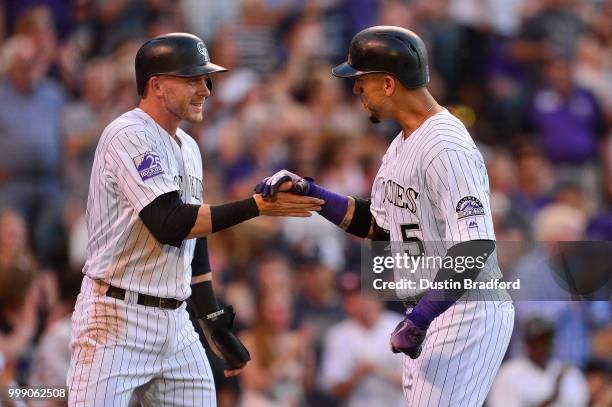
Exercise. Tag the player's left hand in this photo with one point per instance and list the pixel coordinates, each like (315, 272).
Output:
(217, 327)
(407, 338)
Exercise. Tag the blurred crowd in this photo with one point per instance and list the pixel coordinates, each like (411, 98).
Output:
(531, 79)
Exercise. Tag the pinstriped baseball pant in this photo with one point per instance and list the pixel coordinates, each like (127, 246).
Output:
(120, 347)
(461, 354)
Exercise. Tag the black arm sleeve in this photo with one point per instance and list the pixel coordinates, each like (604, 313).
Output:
(471, 249)
(200, 264)
(169, 219)
(230, 214)
(435, 302)
(202, 298)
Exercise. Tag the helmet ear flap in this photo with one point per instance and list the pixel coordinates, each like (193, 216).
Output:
(209, 84)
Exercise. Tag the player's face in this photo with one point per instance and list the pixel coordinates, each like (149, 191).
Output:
(184, 97)
(369, 88)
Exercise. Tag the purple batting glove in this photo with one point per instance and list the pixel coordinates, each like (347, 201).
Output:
(408, 338)
(268, 187)
(335, 206)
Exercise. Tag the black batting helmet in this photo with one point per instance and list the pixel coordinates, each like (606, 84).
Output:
(176, 54)
(387, 49)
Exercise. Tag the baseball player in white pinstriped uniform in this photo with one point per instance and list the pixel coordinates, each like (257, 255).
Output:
(147, 252)
(465, 345)
(430, 191)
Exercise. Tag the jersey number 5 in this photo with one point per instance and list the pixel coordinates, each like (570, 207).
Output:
(412, 244)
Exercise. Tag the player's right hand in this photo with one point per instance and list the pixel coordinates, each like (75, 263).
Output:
(407, 338)
(286, 204)
(283, 180)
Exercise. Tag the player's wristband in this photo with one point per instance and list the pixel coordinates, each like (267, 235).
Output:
(335, 206)
(233, 213)
(203, 298)
(426, 311)
(362, 218)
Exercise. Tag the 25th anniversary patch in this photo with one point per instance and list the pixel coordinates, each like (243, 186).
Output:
(148, 165)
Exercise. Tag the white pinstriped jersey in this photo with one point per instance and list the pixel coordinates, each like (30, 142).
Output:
(433, 186)
(136, 161)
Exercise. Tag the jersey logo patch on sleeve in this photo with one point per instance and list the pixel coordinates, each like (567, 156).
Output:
(469, 206)
(148, 165)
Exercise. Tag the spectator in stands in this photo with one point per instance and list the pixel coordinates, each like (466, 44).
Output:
(121, 20)
(544, 289)
(82, 123)
(14, 247)
(552, 30)
(36, 23)
(358, 367)
(30, 143)
(19, 300)
(537, 379)
(318, 305)
(536, 177)
(51, 358)
(567, 119)
(282, 366)
(592, 70)
(599, 376)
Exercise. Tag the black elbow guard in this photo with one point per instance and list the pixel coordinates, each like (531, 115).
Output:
(362, 218)
(169, 219)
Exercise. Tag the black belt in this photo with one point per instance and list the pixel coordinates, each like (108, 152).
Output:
(144, 299)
